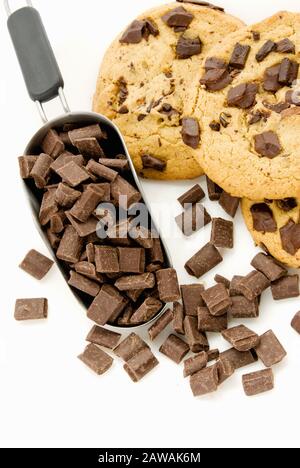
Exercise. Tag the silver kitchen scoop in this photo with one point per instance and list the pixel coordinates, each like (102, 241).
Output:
(44, 82)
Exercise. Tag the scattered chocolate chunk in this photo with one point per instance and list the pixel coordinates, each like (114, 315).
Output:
(197, 340)
(141, 364)
(175, 349)
(241, 338)
(269, 350)
(151, 162)
(83, 284)
(258, 382)
(194, 195)
(26, 164)
(222, 280)
(192, 299)
(139, 30)
(160, 324)
(202, 3)
(225, 369)
(285, 46)
(103, 337)
(187, 47)
(242, 308)
(222, 233)
(268, 266)
(234, 289)
(210, 323)
(242, 96)
(278, 108)
(96, 359)
(134, 282)
(287, 204)
(190, 132)
(271, 83)
(256, 36)
(31, 309)
(129, 347)
(212, 355)
(239, 56)
(285, 287)
(290, 237)
(41, 170)
(214, 191)
(217, 299)
(36, 264)
(288, 72)
(193, 219)
(106, 259)
(52, 144)
(178, 317)
(179, 17)
(229, 204)
(215, 126)
(168, 287)
(149, 308)
(205, 381)
(195, 364)
(216, 76)
(263, 218)
(254, 284)
(265, 50)
(239, 359)
(72, 174)
(296, 323)
(203, 261)
(107, 305)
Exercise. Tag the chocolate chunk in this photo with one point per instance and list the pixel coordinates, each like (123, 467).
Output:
(203, 261)
(65, 158)
(215, 126)
(254, 284)
(263, 218)
(151, 162)
(31, 309)
(256, 35)
(193, 219)
(241, 307)
(192, 299)
(142, 236)
(134, 282)
(96, 359)
(168, 287)
(90, 252)
(83, 284)
(296, 323)
(210, 323)
(101, 171)
(195, 364)
(134, 294)
(197, 340)
(83, 229)
(239, 56)
(202, 3)
(239, 359)
(288, 72)
(222, 233)
(268, 266)
(89, 270)
(216, 79)
(290, 237)
(242, 96)
(129, 347)
(214, 191)
(187, 47)
(293, 97)
(194, 195)
(212, 355)
(107, 305)
(265, 50)
(241, 338)
(103, 337)
(137, 31)
(278, 108)
(257, 116)
(229, 204)
(178, 314)
(222, 280)
(156, 253)
(269, 350)
(87, 203)
(190, 132)
(217, 299)
(52, 144)
(116, 164)
(41, 170)
(225, 369)
(234, 289)
(106, 259)
(124, 193)
(287, 204)
(90, 131)
(124, 319)
(168, 110)
(36, 264)
(141, 364)
(160, 324)
(204, 382)
(89, 147)
(179, 17)
(73, 174)
(53, 238)
(26, 164)
(57, 222)
(215, 63)
(271, 83)
(70, 246)
(175, 348)
(258, 382)
(131, 260)
(286, 287)
(285, 46)
(225, 119)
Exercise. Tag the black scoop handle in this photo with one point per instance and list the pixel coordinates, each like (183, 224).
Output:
(38, 63)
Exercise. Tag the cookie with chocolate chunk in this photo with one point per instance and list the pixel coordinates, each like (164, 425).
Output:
(252, 80)
(146, 84)
(275, 226)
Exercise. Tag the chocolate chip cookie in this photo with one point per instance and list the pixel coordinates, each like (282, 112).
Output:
(145, 85)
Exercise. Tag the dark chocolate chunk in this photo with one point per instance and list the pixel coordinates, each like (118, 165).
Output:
(258, 382)
(271, 83)
(124, 193)
(89, 147)
(254, 284)
(124, 318)
(239, 56)
(278, 108)
(151, 162)
(65, 158)
(187, 47)
(234, 289)
(101, 171)
(129, 347)
(195, 364)
(215, 63)
(168, 287)
(131, 260)
(194, 195)
(212, 355)
(87, 203)
(192, 299)
(31, 309)
(179, 17)
(116, 164)
(41, 170)
(203, 261)
(193, 219)
(242, 96)
(222, 233)
(241, 338)
(168, 110)
(36, 264)
(256, 35)
(89, 270)
(103, 337)
(106, 259)
(217, 299)
(197, 340)
(205, 381)
(123, 110)
(90, 131)
(268, 266)
(83, 229)
(107, 305)
(134, 282)
(96, 359)
(222, 280)
(178, 317)
(239, 359)
(72, 174)
(26, 164)
(210, 323)
(214, 191)
(146, 311)
(155, 253)
(190, 132)
(225, 369)
(265, 50)
(216, 79)
(202, 3)
(263, 218)
(142, 236)
(287, 204)
(241, 307)
(175, 348)
(290, 237)
(296, 323)
(286, 287)
(269, 350)
(288, 72)
(257, 116)
(229, 204)
(215, 126)
(141, 364)
(285, 46)
(83, 284)
(52, 144)
(139, 30)
(159, 326)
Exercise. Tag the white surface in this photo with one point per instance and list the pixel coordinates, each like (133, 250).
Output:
(47, 397)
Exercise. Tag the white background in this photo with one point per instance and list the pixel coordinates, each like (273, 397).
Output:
(47, 396)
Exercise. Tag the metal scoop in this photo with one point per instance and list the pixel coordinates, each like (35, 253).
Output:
(44, 82)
